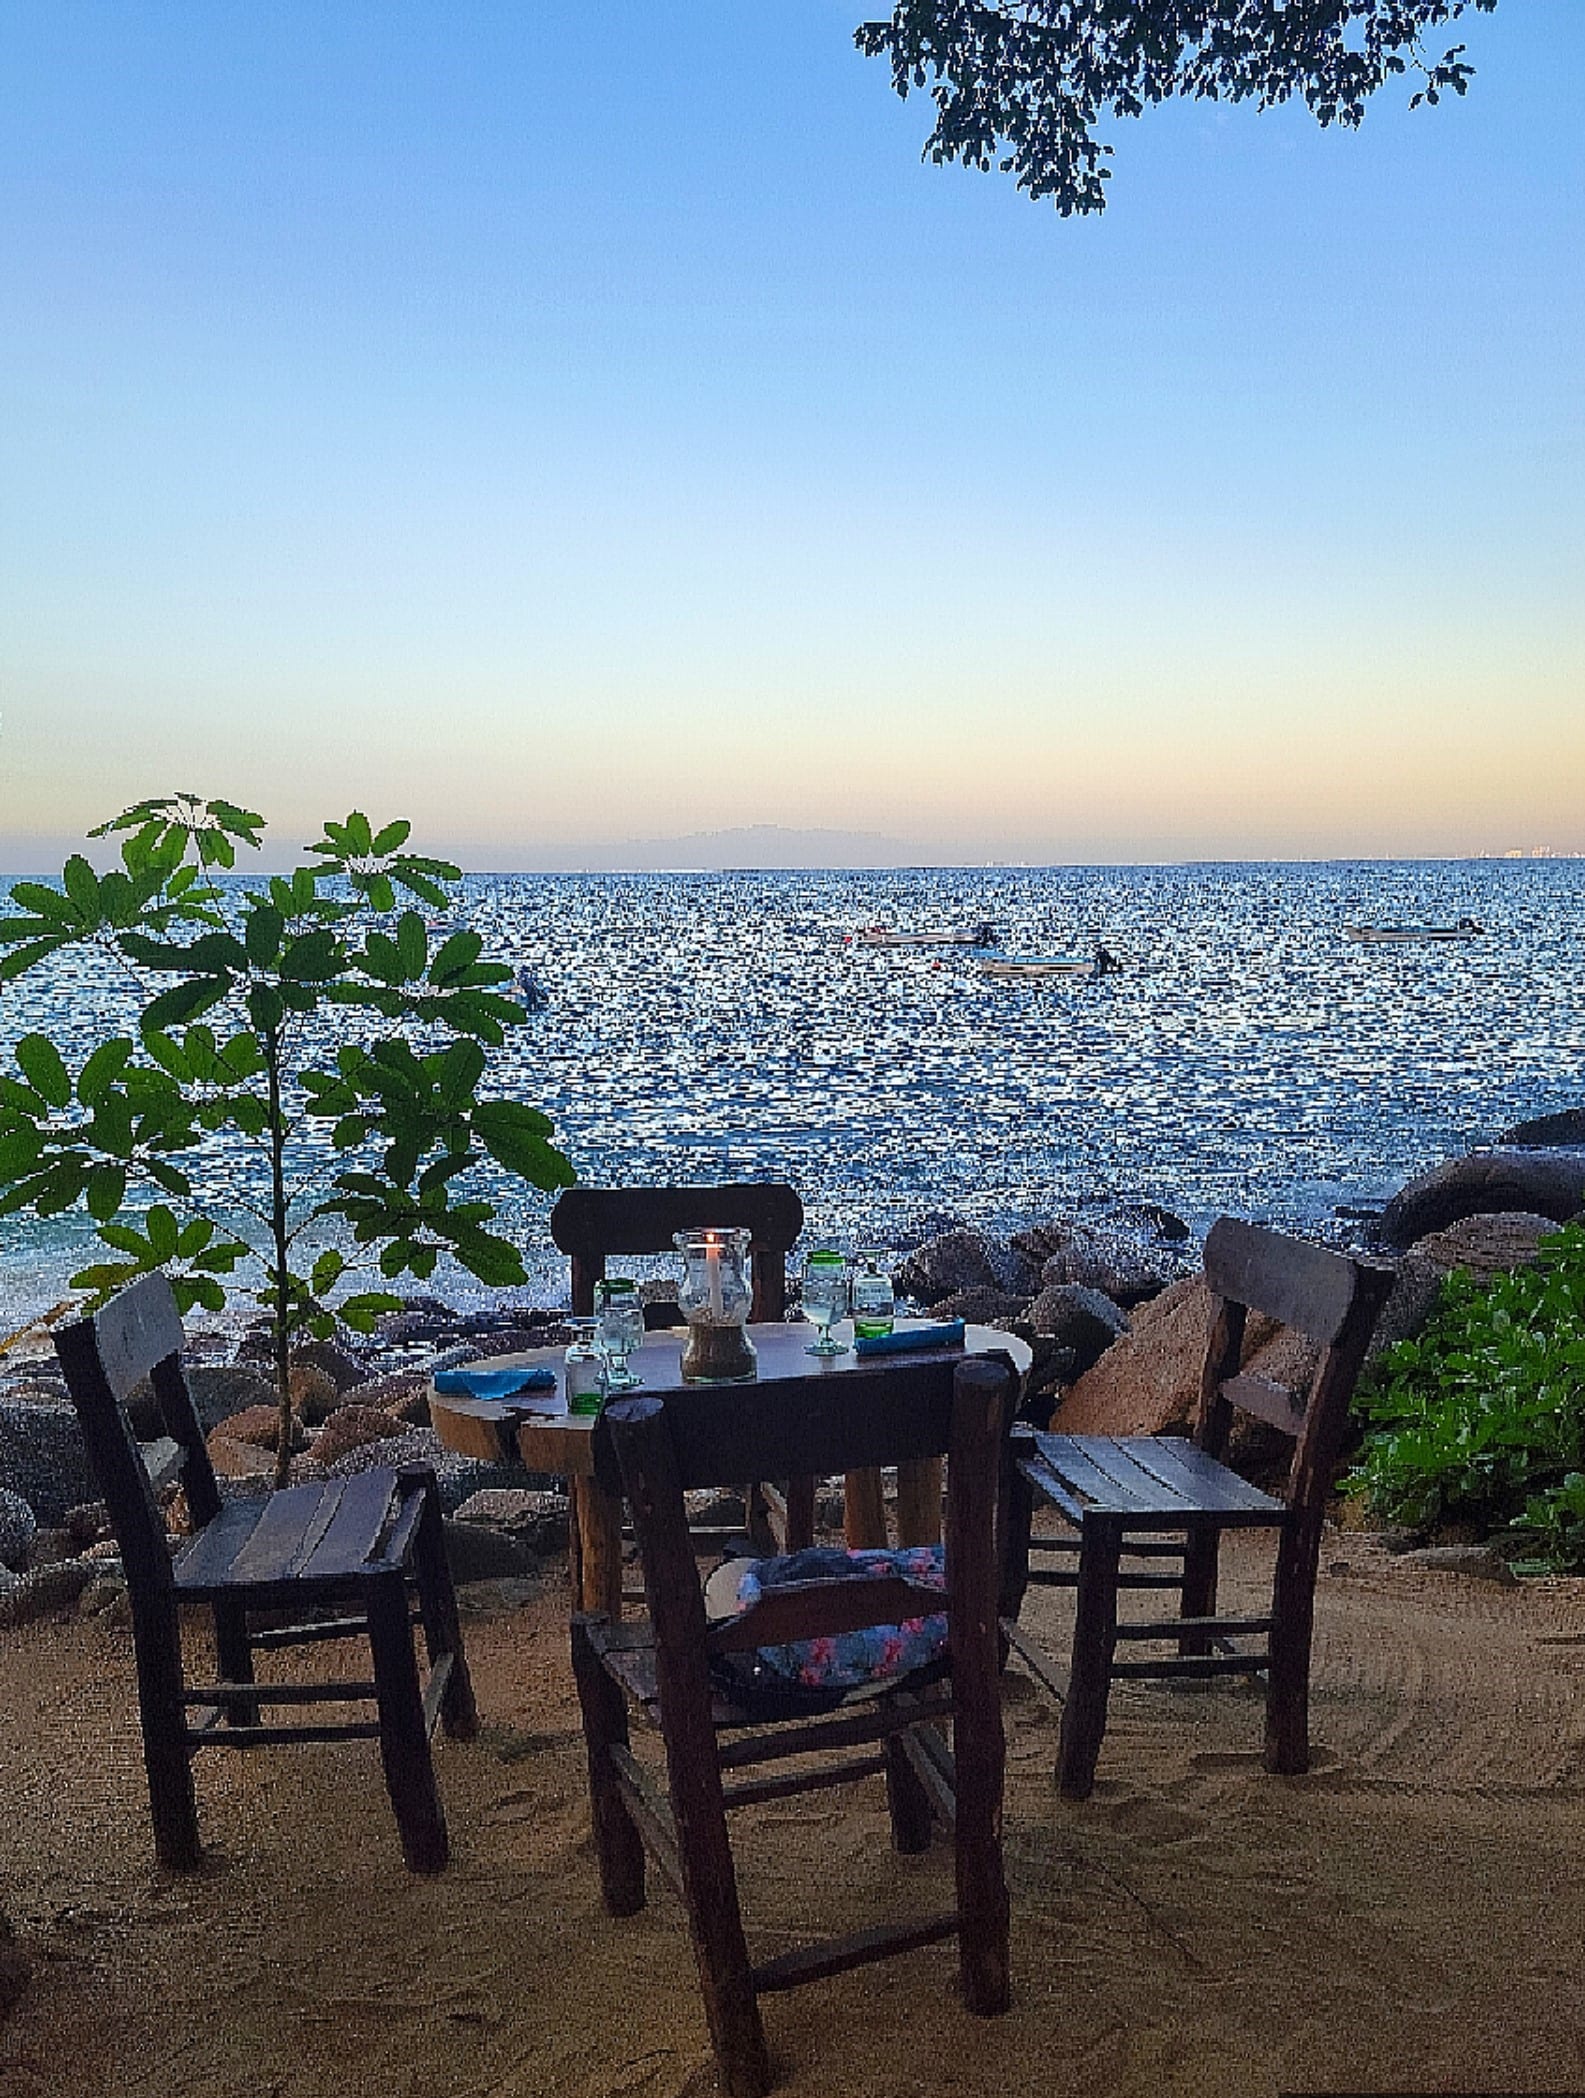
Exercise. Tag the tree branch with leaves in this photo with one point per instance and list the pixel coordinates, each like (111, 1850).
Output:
(304, 1030)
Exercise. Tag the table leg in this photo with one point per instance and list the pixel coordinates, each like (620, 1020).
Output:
(598, 1515)
(863, 1511)
(919, 1501)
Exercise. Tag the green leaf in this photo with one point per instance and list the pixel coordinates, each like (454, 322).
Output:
(392, 838)
(312, 957)
(107, 1185)
(18, 963)
(82, 886)
(454, 957)
(266, 1008)
(103, 1068)
(490, 1259)
(514, 1135)
(47, 903)
(164, 1233)
(380, 892)
(412, 944)
(262, 933)
(183, 1001)
(20, 1151)
(40, 1063)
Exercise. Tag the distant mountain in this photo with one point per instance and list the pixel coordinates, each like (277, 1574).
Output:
(763, 845)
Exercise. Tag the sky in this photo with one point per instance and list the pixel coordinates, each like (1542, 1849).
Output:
(565, 426)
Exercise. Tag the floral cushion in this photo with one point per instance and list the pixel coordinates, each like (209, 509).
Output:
(850, 1660)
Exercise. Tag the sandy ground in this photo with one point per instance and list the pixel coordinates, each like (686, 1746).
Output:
(1407, 1918)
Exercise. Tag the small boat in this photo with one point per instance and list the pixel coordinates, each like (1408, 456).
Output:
(1100, 962)
(531, 993)
(889, 936)
(1407, 935)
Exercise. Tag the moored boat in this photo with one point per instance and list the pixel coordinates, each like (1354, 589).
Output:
(1407, 935)
(889, 936)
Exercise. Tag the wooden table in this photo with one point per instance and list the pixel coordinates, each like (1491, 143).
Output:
(535, 1429)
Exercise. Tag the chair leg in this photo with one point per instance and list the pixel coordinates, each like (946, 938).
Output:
(234, 1654)
(404, 1738)
(1199, 1586)
(617, 1843)
(1287, 1750)
(907, 1800)
(173, 1807)
(1094, 1642)
(437, 1604)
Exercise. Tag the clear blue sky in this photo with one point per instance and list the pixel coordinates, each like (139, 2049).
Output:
(561, 424)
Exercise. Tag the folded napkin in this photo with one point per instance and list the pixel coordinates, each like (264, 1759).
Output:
(949, 1334)
(492, 1384)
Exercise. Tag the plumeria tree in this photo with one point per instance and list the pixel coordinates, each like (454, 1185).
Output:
(299, 1097)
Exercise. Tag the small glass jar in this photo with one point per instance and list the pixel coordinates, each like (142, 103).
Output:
(874, 1306)
(715, 1299)
(618, 1329)
(585, 1370)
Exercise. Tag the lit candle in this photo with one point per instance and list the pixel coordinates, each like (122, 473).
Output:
(712, 1273)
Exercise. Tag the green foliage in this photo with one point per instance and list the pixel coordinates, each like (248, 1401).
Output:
(1022, 84)
(269, 1011)
(1482, 1418)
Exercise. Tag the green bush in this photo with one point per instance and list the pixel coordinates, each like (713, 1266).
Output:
(1482, 1418)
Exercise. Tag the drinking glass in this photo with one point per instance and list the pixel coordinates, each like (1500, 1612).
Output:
(874, 1306)
(825, 1298)
(619, 1329)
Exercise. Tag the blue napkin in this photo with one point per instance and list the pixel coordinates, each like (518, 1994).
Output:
(949, 1334)
(492, 1384)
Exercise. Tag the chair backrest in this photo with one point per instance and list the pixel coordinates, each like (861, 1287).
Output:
(591, 1223)
(137, 1335)
(1332, 1299)
(959, 1407)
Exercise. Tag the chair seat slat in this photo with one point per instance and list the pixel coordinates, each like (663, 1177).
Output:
(272, 1551)
(206, 1563)
(1187, 1470)
(349, 1539)
(1100, 1468)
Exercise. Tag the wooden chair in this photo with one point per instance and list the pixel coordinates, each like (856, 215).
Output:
(591, 1224)
(329, 1561)
(700, 1437)
(1164, 1502)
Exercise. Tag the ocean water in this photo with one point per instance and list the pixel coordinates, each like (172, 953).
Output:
(1247, 1058)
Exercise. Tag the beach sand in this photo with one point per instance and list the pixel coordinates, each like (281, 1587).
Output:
(1406, 1918)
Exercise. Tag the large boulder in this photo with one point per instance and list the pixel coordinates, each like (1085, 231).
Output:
(1092, 1257)
(1082, 1321)
(1545, 1131)
(945, 1267)
(981, 1307)
(351, 1426)
(42, 1456)
(343, 1370)
(1148, 1382)
(219, 1392)
(18, 1528)
(1548, 1183)
(1481, 1245)
(15, 1968)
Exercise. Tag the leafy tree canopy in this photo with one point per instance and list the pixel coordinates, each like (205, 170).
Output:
(1022, 84)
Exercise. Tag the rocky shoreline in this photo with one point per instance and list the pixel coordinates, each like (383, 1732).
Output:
(1110, 1303)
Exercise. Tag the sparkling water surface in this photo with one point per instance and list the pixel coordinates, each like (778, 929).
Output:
(1249, 1057)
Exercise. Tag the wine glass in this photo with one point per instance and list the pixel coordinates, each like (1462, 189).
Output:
(619, 1329)
(825, 1298)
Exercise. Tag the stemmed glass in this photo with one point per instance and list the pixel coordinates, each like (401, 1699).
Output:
(825, 1298)
(619, 1329)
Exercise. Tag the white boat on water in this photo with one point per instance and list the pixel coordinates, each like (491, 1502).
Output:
(1408, 935)
(889, 936)
(1100, 963)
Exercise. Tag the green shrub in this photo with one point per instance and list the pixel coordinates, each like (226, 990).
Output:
(1481, 1419)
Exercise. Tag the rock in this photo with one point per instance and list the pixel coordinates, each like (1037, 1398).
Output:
(42, 1458)
(350, 1426)
(44, 1591)
(1081, 1321)
(1094, 1259)
(716, 1508)
(260, 1426)
(101, 1595)
(240, 1460)
(1415, 1292)
(88, 1523)
(315, 1394)
(219, 1392)
(50, 1545)
(1478, 1562)
(535, 1519)
(1545, 1131)
(343, 1370)
(1154, 1218)
(481, 1552)
(18, 1527)
(980, 1307)
(458, 1477)
(399, 1329)
(1148, 1381)
(507, 1340)
(945, 1267)
(480, 1598)
(403, 1394)
(1492, 1244)
(1549, 1183)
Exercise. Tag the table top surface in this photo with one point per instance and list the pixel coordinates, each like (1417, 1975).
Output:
(536, 1427)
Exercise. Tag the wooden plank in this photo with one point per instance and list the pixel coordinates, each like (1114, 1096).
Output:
(863, 1511)
(649, 1811)
(919, 1502)
(279, 1693)
(135, 1330)
(1298, 1284)
(871, 1722)
(206, 1562)
(1098, 1467)
(820, 1609)
(754, 1792)
(347, 1542)
(806, 1963)
(1176, 1627)
(1035, 1660)
(283, 1736)
(927, 1769)
(271, 1552)
(1267, 1401)
(1194, 1665)
(1207, 1486)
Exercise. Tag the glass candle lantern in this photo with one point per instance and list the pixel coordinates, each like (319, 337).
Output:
(715, 1299)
